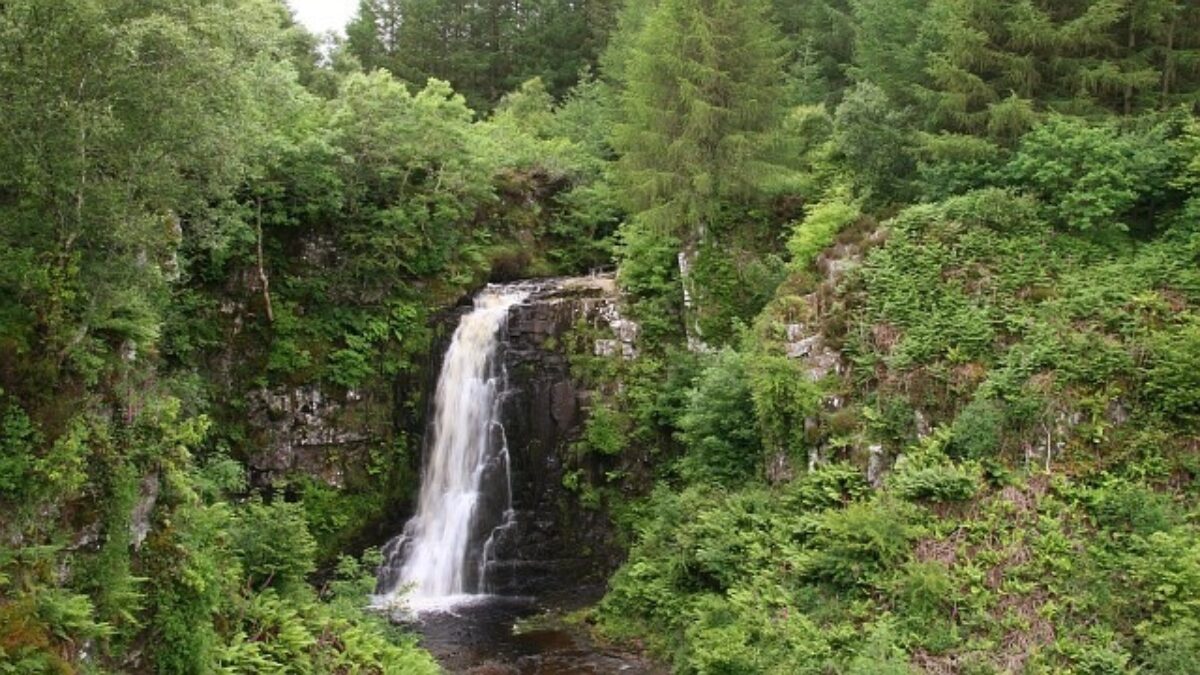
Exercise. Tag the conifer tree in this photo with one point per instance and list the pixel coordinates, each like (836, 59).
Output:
(889, 46)
(819, 35)
(703, 96)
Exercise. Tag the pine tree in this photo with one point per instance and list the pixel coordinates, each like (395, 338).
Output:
(703, 95)
(889, 46)
(485, 48)
(820, 38)
(993, 65)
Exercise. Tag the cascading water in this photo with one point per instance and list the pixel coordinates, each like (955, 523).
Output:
(466, 488)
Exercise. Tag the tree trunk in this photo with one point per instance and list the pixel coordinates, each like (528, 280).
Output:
(1129, 84)
(262, 268)
(1169, 61)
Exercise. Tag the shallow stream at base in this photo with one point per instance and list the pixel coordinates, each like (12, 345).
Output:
(482, 638)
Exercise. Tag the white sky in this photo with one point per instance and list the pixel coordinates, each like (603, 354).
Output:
(322, 15)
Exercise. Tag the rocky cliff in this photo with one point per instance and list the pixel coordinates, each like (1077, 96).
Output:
(556, 540)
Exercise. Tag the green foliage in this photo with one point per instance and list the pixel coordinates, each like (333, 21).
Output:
(719, 425)
(924, 473)
(783, 396)
(873, 137)
(606, 432)
(1173, 379)
(1088, 176)
(701, 100)
(273, 544)
(485, 49)
(197, 205)
(880, 654)
(853, 545)
(818, 230)
(649, 273)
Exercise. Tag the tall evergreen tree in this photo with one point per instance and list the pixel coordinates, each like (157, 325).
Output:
(819, 35)
(703, 95)
(889, 46)
(994, 64)
(485, 48)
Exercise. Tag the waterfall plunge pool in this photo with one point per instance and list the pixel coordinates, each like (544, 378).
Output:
(494, 635)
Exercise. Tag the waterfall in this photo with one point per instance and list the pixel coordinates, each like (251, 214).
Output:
(466, 487)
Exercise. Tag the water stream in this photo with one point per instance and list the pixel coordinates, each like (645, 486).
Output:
(442, 557)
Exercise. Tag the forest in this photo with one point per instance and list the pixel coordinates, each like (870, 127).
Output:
(917, 385)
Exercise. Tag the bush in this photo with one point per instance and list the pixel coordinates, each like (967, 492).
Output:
(819, 229)
(719, 427)
(976, 432)
(784, 395)
(274, 544)
(855, 545)
(1089, 176)
(881, 655)
(1173, 380)
(926, 474)
(1120, 505)
(937, 483)
(874, 138)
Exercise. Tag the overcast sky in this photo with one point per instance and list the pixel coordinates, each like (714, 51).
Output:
(323, 15)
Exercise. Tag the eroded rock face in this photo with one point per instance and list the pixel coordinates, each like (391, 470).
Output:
(310, 431)
(556, 540)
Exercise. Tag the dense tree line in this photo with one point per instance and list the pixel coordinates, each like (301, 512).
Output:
(484, 49)
(942, 440)
(194, 210)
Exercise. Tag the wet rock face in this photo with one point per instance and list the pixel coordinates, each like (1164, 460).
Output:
(310, 431)
(555, 540)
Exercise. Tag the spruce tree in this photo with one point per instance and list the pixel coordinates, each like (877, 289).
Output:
(703, 96)
(819, 35)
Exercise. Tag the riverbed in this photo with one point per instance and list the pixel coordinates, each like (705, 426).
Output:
(515, 636)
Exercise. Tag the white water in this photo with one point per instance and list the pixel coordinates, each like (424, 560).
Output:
(441, 541)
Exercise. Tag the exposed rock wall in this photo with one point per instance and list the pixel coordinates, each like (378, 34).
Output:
(556, 540)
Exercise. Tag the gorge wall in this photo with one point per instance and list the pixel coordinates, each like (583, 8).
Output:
(556, 541)
(326, 434)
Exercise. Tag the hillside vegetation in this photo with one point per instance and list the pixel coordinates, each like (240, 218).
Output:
(918, 284)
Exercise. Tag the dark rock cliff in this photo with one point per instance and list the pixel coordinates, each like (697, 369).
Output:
(556, 542)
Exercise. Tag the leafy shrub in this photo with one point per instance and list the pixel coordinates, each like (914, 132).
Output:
(1120, 505)
(874, 138)
(1089, 176)
(649, 272)
(720, 643)
(977, 430)
(606, 432)
(945, 482)
(819, 229)
(881, 654)
(923, 593)
(999, 209)
(828, 486)
(784, 395)
(1175, 649)
(274, 545)
(719, 426)
(1173, 380)
(924, 473)
(853, 546)
(18, 446)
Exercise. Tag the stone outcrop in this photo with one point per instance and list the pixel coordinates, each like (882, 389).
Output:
(555, 539)
(310, 431)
